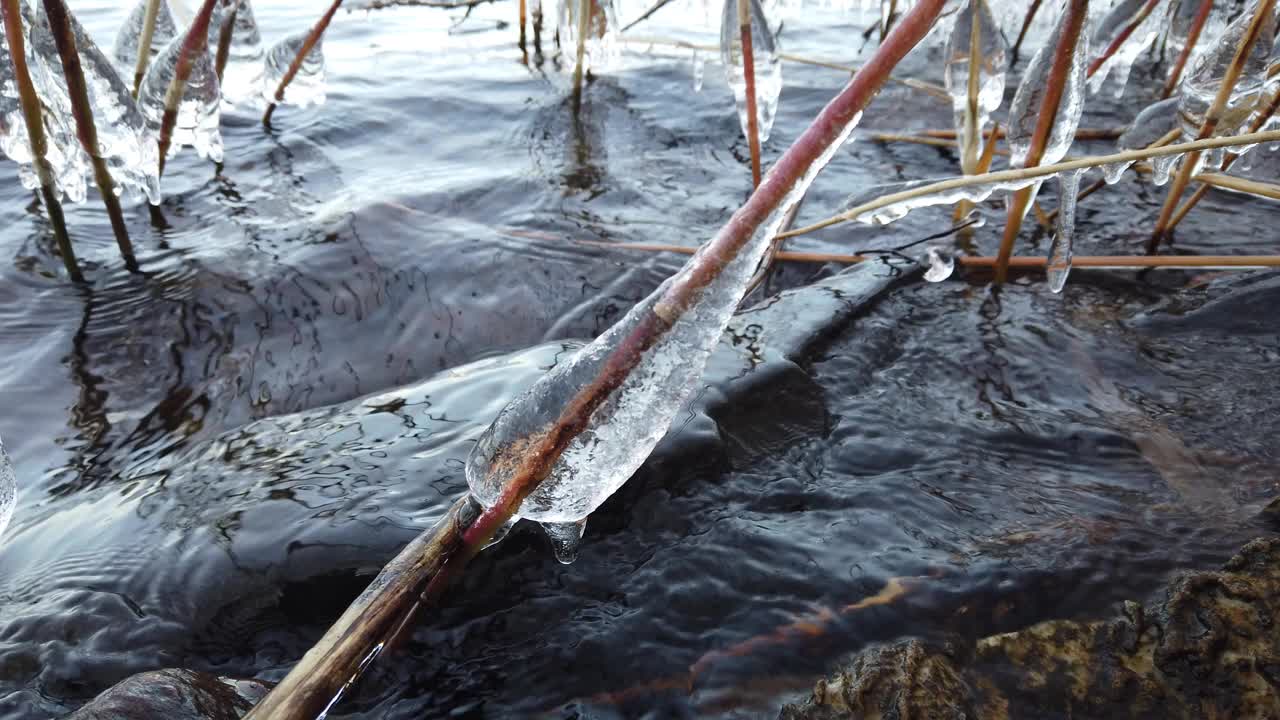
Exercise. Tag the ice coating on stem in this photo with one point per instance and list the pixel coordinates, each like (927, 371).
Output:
(1058, 264)
(699, 70)
(991, 63)
(1154, 122)
(124, 141)
(8, 489)
(632, 419)
(1182, 16)
(767, 66)
(941, 265)
(199, 112)
(10, 106)
(129, 36)
(601, 47)
(308, 85)
(1200, 86)
(1028, 101)
(242, 76)
(1143, 20)
(898, 210)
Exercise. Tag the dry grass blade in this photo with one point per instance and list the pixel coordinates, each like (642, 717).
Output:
(1031, 173)
(1073, 21)
(196, 42)
(32, 114)
(56, 13)
(1238, 184)
(317, 31)
(144, 43)
(1211, 119)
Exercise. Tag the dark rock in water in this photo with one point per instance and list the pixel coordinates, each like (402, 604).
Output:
(1210, 649)
(174, 695)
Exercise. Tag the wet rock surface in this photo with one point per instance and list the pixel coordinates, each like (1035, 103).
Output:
(174, 695)
(1210, 648)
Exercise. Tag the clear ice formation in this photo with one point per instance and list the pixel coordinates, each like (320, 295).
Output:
(699, 70)
(1058, 264)
(199, 113)
(8, 489)
(242, 76)
(307, 87)
(1027, 102)
(1200, 85)
(941, 265)
(124, 141)
(1125, 17)
(767, 65)
(633, 417)
(130, 34)
(601, 48)
(1153, 123)
(896, 211)
(992, 63)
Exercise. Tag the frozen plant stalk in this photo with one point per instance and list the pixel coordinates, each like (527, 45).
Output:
(307, 87)
(599, 41)
(8, 489)
(976, 88)
(238, 60)
(767, 65)
(199, 111)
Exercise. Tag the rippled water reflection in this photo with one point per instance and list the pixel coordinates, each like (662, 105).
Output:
(215, 455)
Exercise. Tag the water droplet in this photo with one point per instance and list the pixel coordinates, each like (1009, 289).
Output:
(566, 538)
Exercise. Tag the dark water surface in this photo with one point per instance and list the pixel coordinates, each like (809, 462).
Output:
(216, 455)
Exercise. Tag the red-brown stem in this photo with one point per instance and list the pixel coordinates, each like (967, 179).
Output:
(307, 45)
(1026, 25)
(523, 16)
(307, 685)
(57, 16)
(1261, 119)
(749, 72)
(1056, 86)
(1193, 36)
(1124, 35)
(1210, 124)
(196, 42)
(31, 114)
(225, 35)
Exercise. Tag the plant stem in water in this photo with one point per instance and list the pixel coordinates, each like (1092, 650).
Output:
(584, 23)
(31, 113)
(144, 43)
(749, 72)
(57, 14)
(317, 31)
(195, 42)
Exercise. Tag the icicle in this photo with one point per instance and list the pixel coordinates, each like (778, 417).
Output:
(941, 265)
(200, 110)
(635, 415)
(1162, 167)
(130, 33)
(1109, 30)
(1027, 102)
(566, 538)
(8, 489)
(991, 75)
(242, 76)
(1059, 262)
(1153, 123)
(602, 34)
(308, 86)
(124, 141)
(768, 68)
(699, 70)
(1200, 86)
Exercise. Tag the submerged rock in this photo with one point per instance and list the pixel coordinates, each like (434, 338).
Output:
(174, 695)
(1210, 648)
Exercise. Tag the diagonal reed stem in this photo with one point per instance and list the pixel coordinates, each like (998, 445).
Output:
(57, 15)
(144, 44)
(225, 35)
(1041, 171)
(1026, 25)
(317, 31)
(1193, 37)
(196, 42)
(32, 115)
(1210, 124)
(749, 72)
(441, 554)
(1121, 38)
(1073, 21)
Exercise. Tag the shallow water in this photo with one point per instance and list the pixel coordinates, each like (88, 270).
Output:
(215, 455)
